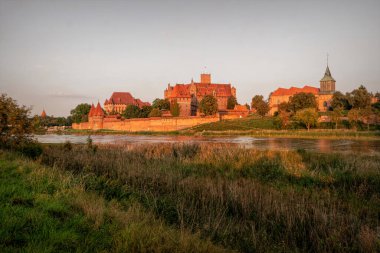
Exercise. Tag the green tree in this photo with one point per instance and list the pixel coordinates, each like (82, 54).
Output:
(301, 101)
(339, 100)
(307, 117)
(132, 111)
(80, 113)
(336, 116)
(208, 105)
(231, 102)
(155, 113)
(162, 104)
(354, 118)
(15, 125)
(175, 108)
(360, 98)
(145, 110)
(260, 105)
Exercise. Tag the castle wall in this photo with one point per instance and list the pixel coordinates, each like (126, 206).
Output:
(148, 124)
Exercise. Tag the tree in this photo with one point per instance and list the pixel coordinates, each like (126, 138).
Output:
(260, 105)
(162, 104)
(248, 106)
(341, 101)
(366, 115)
(208, 105)
(132, 111)
(231, 102)
(336, 116)
(360, 98)
(155, 113)
(283, 119)
(80, 113)
(15, 125)
(307, 116)
(354, 118)
(145, 110)
(301, 101)
(175, 108)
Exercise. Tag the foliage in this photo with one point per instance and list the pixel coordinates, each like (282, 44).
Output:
(231, 102)
(208, 105)
(248, 106)
(360, 98)
(162, 104)
(301, 101)
(336, 115)
(80, 113)
(283, 119)
(145, 111)
(155, 113)
(354, 117)
(175, 108)
(340, 101)
(307, 117)
(50, 210)
(131, 111)
(261, 106)
(224, 194)
(15, 126)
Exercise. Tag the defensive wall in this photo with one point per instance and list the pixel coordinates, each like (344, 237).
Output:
(147, 124)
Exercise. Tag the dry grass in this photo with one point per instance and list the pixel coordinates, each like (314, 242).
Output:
(244, 199)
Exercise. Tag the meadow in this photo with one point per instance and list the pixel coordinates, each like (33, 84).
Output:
(189, 198)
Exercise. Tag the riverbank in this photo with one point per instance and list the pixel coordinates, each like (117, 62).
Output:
(302, 134)
(181, 197)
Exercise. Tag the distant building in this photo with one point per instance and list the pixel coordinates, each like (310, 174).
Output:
(189, 95)
(323, 94)
(120, 100)
(43, 114)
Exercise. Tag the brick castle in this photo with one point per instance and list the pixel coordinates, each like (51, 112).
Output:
(323, 94)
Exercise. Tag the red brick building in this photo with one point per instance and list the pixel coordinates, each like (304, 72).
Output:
(189, 95)
(120, 100)
(323, 94)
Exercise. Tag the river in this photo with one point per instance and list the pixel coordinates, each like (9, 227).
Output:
(319, 145)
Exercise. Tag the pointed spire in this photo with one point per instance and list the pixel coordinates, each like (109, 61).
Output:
(43, 114)
(328, 76)
(92, 110)
(98, 110)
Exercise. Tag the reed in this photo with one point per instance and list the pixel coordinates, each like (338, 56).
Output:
(243, 199)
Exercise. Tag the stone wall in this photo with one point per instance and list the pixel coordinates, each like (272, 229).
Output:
(147, 124)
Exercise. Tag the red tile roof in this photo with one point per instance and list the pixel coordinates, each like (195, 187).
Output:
(98, 111)
(294, 90)
(92, 110)
(124, 98)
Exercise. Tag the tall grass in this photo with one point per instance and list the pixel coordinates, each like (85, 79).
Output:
(243, 199)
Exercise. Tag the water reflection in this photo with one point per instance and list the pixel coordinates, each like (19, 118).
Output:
(321, 145)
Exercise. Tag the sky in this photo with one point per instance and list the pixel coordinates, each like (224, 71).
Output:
(57, 54)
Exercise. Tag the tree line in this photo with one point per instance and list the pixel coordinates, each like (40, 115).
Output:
(354, 107)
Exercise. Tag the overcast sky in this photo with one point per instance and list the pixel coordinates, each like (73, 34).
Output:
(56, 54)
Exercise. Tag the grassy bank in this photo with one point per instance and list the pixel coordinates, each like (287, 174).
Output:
(250, 126)
(238, 199)
(48, 210)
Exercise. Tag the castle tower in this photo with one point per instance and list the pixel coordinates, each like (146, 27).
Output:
(327, 83)
(206, 78)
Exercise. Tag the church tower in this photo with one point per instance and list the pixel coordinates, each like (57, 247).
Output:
(327, 83)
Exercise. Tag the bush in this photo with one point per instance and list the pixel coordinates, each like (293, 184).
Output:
(31, 149)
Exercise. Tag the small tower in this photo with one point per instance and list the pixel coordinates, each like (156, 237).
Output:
(43, 114)
(327, 83)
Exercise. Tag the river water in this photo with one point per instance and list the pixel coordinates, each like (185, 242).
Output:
(319, 145)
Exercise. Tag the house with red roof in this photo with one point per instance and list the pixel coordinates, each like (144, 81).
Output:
(323, 94)
(120, 100)
(189, 95)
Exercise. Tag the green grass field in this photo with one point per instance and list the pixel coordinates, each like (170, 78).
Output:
(188, 198)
